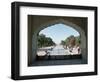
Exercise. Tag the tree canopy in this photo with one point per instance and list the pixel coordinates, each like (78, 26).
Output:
(71, 40)
(44, 41)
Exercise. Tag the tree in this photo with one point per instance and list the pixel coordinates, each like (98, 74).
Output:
(41, 40)
(78, 40)
(44, 41)
(63, 42)
(71, 40)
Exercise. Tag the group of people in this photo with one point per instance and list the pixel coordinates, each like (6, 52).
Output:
(75, 50)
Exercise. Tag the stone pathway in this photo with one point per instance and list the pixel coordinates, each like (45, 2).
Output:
(58, 50)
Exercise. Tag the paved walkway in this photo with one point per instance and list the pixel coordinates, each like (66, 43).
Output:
(58, 50)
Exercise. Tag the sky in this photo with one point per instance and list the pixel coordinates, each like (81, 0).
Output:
(59, 32)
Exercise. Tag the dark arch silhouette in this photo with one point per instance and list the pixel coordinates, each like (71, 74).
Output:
(53, 22)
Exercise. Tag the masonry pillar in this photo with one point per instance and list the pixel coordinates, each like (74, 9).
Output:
(34, 47)
(83, 48)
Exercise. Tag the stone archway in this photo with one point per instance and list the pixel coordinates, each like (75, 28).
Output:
(52, 22)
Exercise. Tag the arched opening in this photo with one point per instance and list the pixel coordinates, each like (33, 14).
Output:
(43, 26)
(58, 39)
